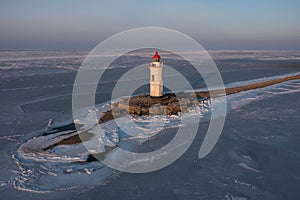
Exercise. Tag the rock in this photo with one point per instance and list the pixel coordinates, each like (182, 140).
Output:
(156, 109)
(168, 104)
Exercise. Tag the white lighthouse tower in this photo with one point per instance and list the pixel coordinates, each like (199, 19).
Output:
(156, 82)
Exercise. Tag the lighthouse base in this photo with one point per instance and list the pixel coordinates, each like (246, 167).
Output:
(156, 89)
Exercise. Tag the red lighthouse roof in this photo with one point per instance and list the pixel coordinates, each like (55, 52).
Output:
(156, 56)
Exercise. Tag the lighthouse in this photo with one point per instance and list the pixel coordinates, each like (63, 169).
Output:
(156, 82)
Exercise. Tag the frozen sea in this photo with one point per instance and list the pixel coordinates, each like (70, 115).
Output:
(256, 157)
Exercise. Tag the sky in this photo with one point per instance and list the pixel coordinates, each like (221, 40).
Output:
(82, 24)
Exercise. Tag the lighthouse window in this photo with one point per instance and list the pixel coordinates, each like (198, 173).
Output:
(153, 65)
(152, 77)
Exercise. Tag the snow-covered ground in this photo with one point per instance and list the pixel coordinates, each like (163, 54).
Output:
(257, 150)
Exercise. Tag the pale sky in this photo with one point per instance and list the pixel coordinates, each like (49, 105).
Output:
(82, 24)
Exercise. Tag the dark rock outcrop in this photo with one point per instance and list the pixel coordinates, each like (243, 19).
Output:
(168, 104)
